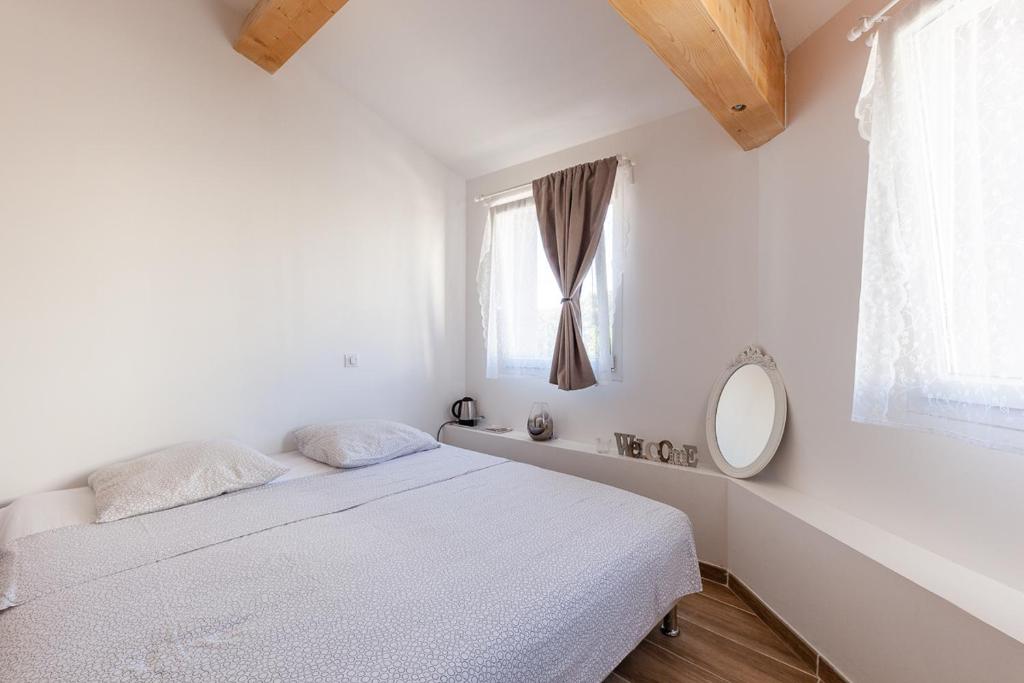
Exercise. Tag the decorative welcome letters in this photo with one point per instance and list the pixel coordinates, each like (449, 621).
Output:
(663, 451)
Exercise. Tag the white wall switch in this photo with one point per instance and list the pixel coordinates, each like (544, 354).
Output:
(351, 360)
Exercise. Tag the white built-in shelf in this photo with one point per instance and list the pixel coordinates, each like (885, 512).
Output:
(704, 467)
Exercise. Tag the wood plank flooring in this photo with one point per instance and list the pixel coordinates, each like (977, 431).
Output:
(721, 639)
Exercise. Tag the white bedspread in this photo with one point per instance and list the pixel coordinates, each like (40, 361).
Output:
(447, 565)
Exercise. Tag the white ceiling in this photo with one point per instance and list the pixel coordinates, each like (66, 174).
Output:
(486, 84)
(798, 19)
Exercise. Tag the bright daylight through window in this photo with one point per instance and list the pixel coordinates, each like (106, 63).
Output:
(941, 338)
(519, 296)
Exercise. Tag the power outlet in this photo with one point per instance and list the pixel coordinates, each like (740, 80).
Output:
(351, 360)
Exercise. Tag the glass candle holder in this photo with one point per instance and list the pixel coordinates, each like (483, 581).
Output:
(539, 424)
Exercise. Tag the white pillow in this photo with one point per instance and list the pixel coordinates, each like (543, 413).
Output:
(39, 512)
(178, 475)
(357, 443)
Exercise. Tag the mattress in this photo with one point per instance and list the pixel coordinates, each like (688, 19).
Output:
(447, 565)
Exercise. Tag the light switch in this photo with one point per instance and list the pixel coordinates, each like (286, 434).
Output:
(351, 360)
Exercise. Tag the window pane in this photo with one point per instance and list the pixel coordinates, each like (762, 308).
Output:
(597, 292)
(942, 285)
(523, 289)
(525, 298)
(976, 188)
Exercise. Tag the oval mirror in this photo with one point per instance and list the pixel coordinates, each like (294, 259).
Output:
(746, 414)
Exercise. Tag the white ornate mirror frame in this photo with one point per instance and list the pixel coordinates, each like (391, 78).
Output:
(752, 355)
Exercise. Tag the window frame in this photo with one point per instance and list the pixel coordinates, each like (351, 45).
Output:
(612, 267)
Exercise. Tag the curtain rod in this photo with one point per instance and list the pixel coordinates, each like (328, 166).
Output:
(868, 23)
(623, 161)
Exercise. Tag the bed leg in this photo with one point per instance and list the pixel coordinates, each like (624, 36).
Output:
(669, 627)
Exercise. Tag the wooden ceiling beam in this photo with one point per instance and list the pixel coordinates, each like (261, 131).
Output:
(727, 52)
(276, 29)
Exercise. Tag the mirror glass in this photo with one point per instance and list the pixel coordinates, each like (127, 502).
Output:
(746, 415)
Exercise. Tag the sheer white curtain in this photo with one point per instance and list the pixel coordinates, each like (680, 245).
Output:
(520, 302)
(941, 338)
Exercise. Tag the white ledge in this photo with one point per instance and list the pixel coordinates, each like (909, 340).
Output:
(998, 605)
(703, 467)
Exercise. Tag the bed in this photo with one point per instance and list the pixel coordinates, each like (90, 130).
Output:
(445, 565)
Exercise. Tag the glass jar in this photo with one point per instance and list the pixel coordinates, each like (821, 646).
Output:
(539, 424)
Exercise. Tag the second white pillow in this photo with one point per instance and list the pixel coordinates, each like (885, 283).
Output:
(358, 443)
(182, 474)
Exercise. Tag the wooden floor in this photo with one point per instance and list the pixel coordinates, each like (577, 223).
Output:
(720, 639)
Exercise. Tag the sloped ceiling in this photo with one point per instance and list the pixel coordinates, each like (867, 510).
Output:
(798, 19)
(484, 84)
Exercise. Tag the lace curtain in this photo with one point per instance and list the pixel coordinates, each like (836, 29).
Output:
(520, 302)
(941, 337)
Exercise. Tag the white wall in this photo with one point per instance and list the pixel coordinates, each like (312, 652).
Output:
(961, 501)
(689, 291)
(189, 245)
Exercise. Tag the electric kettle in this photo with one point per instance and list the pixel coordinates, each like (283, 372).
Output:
(464, 410)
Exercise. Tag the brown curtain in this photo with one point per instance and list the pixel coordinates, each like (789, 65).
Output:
(571, 207)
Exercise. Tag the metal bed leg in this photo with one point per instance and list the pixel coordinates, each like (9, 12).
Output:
(669, 627)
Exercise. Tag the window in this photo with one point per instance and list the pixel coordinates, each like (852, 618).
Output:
(520, 300)
(941, 338)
